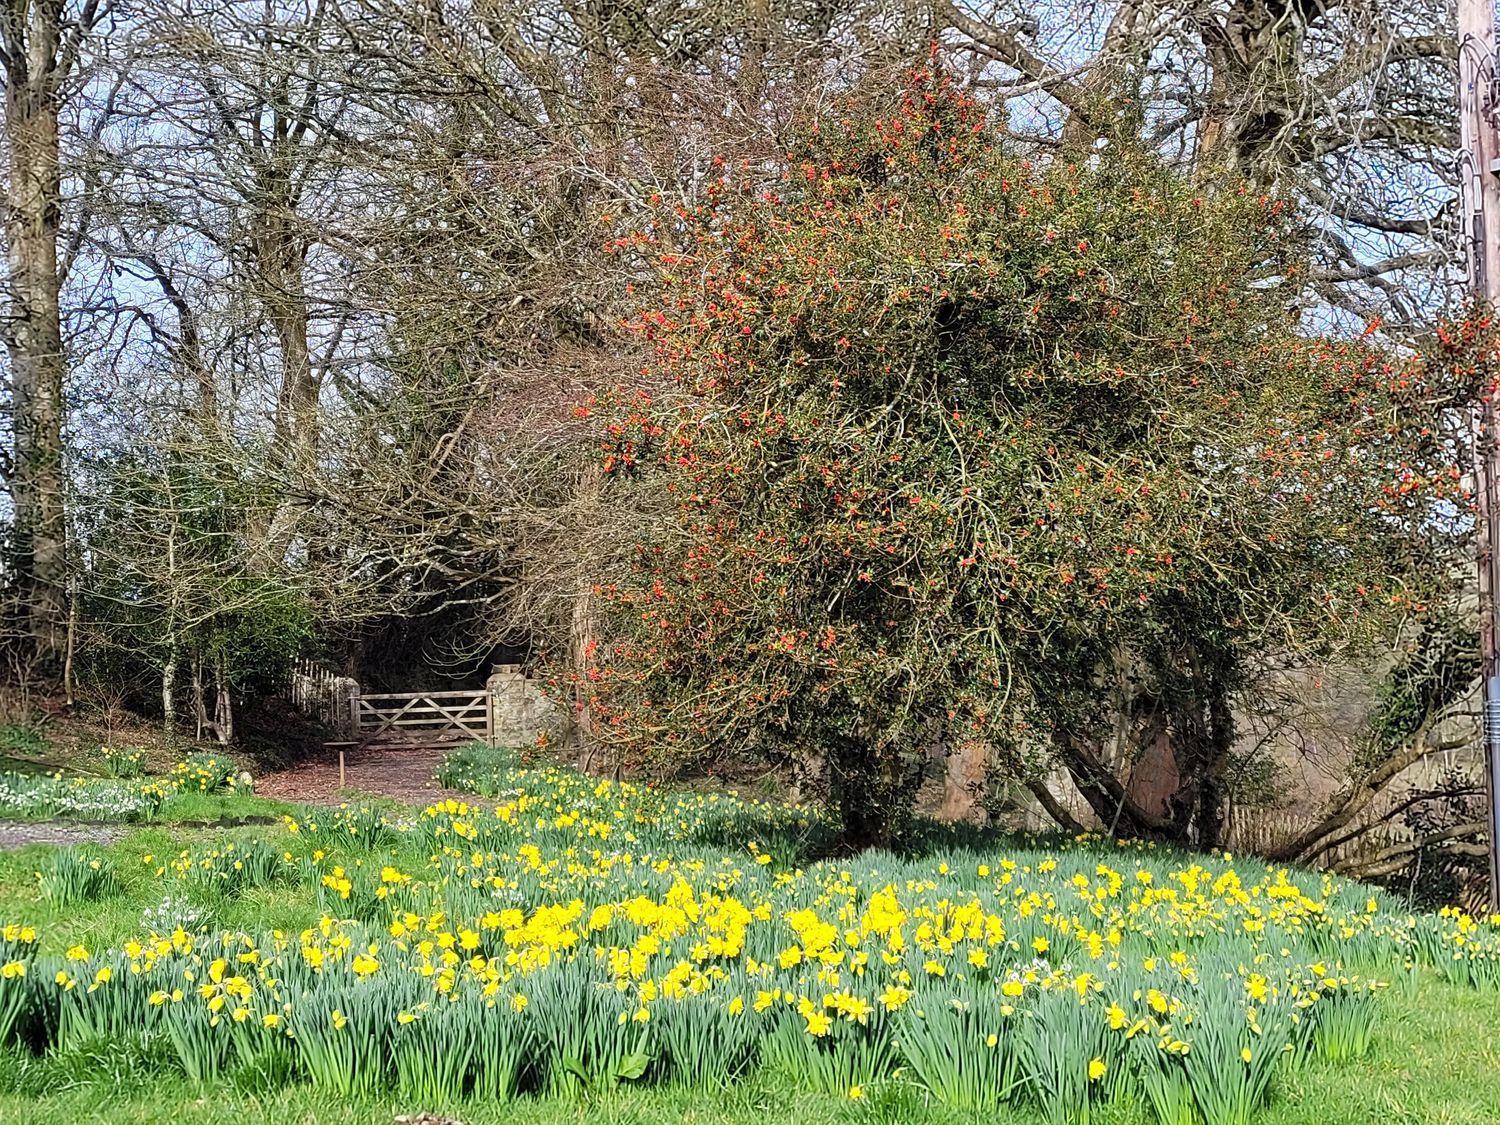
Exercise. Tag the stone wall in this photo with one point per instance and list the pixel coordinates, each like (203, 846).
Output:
(521, 711)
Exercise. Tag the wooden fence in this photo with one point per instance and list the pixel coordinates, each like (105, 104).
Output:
(323, 694)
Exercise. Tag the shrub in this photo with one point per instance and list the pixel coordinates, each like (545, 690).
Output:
(943, 437)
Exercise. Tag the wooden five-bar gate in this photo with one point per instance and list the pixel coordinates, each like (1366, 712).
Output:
(413, 720)
(504, 710)
(418, 717)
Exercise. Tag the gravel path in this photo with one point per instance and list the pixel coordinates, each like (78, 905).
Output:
(19, 833)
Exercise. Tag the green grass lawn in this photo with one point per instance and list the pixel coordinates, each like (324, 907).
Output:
(1435, 1059)
(192, 823)
(1436, 1062)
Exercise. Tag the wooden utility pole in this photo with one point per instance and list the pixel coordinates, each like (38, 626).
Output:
(1479, 164)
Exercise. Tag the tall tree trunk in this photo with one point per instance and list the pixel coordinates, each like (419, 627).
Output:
(1256, 59)
(965, 771)
(223, 701)
(32, 34)
(200, 704)
(1211, 790)
(871, 790)
(1106, 794)
(280, 253)
(1191, 747)
(578, 723)
(169, 692)
(70, 647)
(280, 257)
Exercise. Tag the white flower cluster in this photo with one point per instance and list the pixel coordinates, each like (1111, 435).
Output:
(83, 798)
(174, 913)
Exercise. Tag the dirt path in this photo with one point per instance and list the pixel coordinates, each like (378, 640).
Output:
(401, 775)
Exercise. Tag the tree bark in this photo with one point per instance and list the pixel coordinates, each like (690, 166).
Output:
(32, 35)
(200, 704)
(280, 252)
(70, 646)
(1210, 814)
(1354, 800)
(169, 693)
(223, 701)
(578, 724)
(1053, 807)
(871, 791)
(1108, 797)
(965, 766)
(1257, 61)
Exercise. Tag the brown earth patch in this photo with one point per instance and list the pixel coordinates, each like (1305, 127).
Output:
(408, 776)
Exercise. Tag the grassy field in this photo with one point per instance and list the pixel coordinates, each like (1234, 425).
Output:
(1436, 1061)
(1181, 949)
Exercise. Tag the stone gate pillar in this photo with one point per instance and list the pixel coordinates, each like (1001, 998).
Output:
(519, 710)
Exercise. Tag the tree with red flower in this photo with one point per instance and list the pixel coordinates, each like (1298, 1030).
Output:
(974, 447)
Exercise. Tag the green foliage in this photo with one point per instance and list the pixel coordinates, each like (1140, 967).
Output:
(1432, 672)
(702, 1043)
(474, 768)
(892, 1101)
(232, 869)
(17, 738)
(202, 772)
(1345, 1026)
(123, 761)
(948, 438)
(588, 1038)
(959, 1048)
(1236, 1046)
(85, 798)
(17, 952)
(818, 1050)
(1065, 1042)
(570, 942)
(173, 578)
(72, 878)
(342, 1036)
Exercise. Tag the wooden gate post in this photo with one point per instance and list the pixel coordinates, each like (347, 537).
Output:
(492, 709)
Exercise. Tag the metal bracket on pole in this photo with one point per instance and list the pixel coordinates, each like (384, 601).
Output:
(1492, 779)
